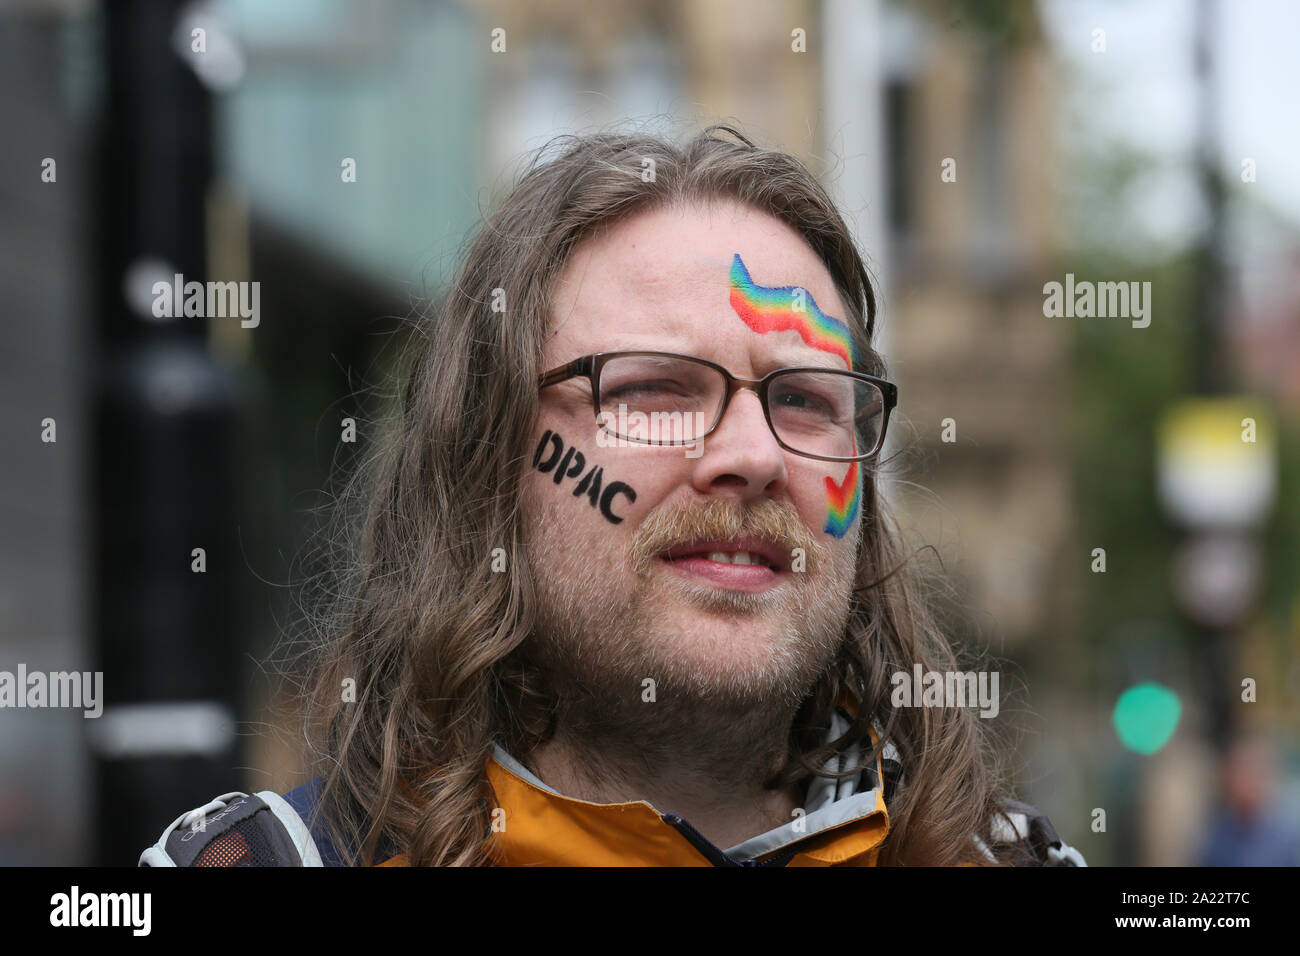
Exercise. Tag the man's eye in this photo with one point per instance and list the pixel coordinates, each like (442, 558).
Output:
(802, 401)
(643, 388)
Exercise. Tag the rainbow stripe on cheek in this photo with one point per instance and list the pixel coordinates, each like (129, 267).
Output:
(843, 500)
(771, 309)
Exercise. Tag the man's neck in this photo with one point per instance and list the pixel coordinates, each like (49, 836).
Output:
(709, 772)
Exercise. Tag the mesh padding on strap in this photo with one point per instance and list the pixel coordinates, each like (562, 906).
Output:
(244, 845)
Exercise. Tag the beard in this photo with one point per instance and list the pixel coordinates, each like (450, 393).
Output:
(643, 657)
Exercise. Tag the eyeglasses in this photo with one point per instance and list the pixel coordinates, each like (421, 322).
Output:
(662, 398)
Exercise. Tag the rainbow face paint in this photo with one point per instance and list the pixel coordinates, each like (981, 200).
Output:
(843, 500)
(771, 309)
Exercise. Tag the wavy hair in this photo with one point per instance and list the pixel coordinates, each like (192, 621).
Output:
(430, 635)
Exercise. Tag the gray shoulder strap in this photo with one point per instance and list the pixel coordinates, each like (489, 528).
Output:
(236, 829)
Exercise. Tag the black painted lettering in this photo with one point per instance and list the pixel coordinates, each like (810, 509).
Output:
(568, 462)
(545, 466)
(579, 463)
(541, 445)
(590, 479)
(564, 464)
(612, 489)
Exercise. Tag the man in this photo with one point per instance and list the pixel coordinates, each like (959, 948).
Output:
(626, 593)
(1250, 827)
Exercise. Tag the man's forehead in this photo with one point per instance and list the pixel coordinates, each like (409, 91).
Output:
(646, 275)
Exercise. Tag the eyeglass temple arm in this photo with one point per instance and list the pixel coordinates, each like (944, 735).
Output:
(579, 366)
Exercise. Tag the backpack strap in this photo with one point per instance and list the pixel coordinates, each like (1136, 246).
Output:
(236, 829)
(1035, 831)
(304, 800)
(1028, 826)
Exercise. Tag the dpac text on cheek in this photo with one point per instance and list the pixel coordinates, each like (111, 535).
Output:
(568, 463)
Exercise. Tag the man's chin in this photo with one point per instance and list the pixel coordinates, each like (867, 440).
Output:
(734, 676)
(732, 658)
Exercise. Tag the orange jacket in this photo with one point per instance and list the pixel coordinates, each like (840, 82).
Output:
(844, 824)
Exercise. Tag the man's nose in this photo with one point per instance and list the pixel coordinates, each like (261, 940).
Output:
(742, 453)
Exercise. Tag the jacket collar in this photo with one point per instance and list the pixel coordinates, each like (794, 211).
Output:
(845, 823)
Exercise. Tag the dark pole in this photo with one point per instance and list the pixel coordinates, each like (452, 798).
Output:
(1209, 300)
(1210, 366)
(164, 477)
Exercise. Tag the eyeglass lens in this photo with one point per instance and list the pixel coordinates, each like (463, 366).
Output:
(663, 400)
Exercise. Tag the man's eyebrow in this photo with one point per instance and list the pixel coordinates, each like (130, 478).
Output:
(805, 359)
(782, 357)
(651, 343)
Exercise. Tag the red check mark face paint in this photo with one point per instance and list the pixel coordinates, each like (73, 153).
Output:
(843, 500)
(772, 309)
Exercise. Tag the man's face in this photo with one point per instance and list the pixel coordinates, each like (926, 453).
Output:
(632, 579)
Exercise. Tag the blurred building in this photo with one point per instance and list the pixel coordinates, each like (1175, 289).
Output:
(663, 65)
(984, 447)
(977, 362)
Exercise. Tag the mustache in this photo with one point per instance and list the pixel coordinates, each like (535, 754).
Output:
(721, 519)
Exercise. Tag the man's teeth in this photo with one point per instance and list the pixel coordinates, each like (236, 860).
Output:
(736, 557)
(731, 557)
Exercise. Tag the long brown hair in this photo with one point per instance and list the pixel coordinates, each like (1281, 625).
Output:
(427, 633)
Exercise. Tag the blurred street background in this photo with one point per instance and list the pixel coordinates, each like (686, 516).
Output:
(1116, 506)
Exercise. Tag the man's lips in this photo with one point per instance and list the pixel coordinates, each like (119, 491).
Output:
(713, 561)
(762, 553)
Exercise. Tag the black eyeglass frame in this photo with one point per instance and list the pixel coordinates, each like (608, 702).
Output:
(589, 366)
